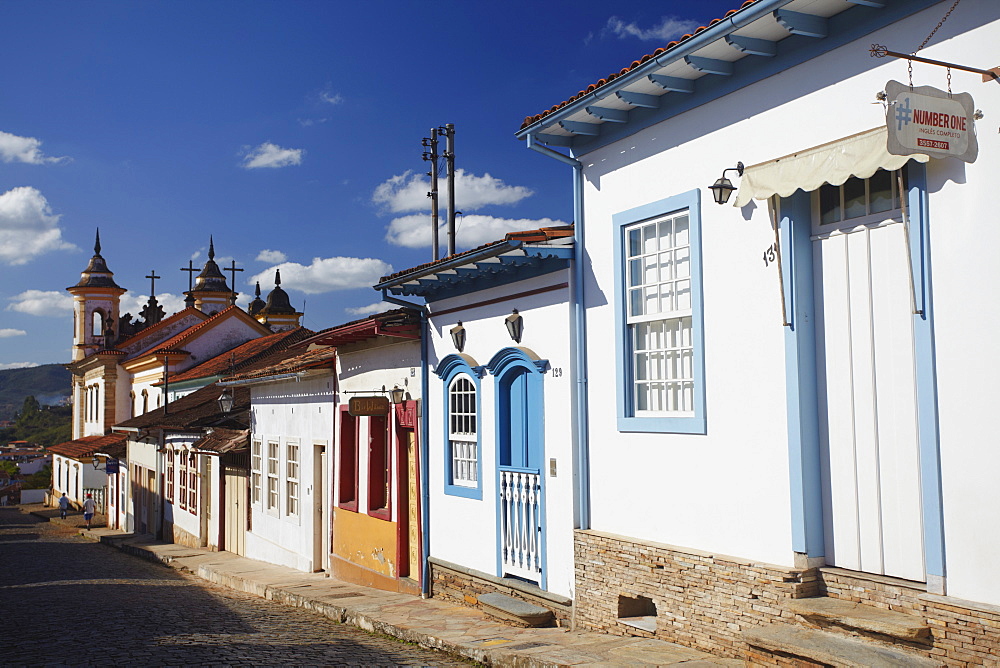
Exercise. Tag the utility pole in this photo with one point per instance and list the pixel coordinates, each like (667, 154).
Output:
(449, 153)
(432, 156)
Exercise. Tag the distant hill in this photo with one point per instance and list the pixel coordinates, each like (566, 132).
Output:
(49, 383)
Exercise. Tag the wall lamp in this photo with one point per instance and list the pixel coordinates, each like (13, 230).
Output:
(458, 336)
(515, 325)
(723, 187)
(397, 394)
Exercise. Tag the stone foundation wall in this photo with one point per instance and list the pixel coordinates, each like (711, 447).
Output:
(174, 534)
(706, 601)
(462, 585)
(965, 633)
(701, 600)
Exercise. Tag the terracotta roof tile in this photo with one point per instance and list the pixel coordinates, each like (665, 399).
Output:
(170, 344)
(244, 355)
(224, 440)
(85, 447)
(160, 325)
(293, 363)
(625, 70)
(194, 411)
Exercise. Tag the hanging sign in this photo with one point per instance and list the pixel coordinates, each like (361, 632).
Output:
(111, 466)
(930, 121)
(359, 406)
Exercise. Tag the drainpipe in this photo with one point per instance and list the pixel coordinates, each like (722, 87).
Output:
(581, 418)
(425, 484)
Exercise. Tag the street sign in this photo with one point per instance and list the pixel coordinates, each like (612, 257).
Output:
(359, 406)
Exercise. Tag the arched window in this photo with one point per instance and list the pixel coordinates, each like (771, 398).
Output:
(97, 323)
(145, 401)
(463, 468)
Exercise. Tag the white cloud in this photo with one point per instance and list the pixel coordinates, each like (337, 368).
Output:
(24, 149)
(668, 28)
(371, 309)
(41, 302)
(408, 192)
(134, 303)
(471, 231)
(271, 155)
(272, 256)
(7, 333)
(331, 98)
(28, 227)
(17, 365)
(325, 274)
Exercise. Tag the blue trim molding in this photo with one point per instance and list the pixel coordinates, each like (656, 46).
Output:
(447, 369)
(925, 357)
(627, 421)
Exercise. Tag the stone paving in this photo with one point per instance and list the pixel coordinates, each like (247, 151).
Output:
(430, 623)
(71, 601)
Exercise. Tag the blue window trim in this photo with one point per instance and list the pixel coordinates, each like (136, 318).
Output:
(447, 369)
(627, 421)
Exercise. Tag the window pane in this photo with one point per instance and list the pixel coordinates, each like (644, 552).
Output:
(634, 273)
(683, 263)
(649, 238)
(665, 236)
(641, 366)
(651, 300)
(681, 235)
(666, 267)
(635, 302)
(652, 270)
(854, 198)
(667, 297)
(880, 191)
(683, 294)
(829, 204)
(634, 242)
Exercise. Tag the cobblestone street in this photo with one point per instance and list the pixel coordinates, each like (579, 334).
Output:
(69, 601)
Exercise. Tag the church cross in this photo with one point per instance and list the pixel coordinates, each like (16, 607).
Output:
(152, 282)
(232, 270)
(190, 270)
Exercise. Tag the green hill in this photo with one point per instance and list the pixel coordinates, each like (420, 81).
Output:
(49, 383)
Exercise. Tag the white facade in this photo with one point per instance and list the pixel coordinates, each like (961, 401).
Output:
(735, 485)
(293, 420)
(464, 526)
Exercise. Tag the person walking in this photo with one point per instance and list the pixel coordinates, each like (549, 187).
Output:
(63, 506)
(88, 509)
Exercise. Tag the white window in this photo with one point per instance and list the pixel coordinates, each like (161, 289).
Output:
(462, 432)
(256, 469)
(182, 479)
(659, 321)
(272, 476)
(859, 201)
(292, 479)
(658, 280)
(193, 478)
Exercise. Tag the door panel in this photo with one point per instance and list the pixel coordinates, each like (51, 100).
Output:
(867, 398)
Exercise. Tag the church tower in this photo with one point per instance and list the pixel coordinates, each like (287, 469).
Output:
(278, 313)
(211, 293)
(95, 306)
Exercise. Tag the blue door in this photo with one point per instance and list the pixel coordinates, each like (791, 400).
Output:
(520, 444)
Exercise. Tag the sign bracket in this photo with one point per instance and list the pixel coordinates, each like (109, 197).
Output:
(880, 51)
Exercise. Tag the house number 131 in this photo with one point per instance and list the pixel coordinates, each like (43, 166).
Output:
(770, 255)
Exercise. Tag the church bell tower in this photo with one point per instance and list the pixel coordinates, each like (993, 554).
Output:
(95, 306)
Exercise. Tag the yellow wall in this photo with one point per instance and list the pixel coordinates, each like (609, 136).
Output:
(365, 541)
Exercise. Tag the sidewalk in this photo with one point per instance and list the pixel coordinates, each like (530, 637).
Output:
(431, 623)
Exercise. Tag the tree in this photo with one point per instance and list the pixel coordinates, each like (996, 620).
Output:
(10, 468)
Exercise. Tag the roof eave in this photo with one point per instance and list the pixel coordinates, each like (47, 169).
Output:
(725, 26)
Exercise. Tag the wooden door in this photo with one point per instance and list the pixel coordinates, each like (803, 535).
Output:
(235, 531)
(867, 396)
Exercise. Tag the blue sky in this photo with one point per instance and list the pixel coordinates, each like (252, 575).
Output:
(290, 131)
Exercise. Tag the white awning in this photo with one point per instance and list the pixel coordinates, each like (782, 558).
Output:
(859, 155)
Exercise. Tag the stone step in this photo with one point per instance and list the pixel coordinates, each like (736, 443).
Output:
(514, 609)
(860, 618)
(815, 647)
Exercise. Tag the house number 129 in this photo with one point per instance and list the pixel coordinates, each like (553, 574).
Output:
(556, 372)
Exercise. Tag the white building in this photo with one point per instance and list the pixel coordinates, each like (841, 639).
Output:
(499, 464)
(777, 414)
